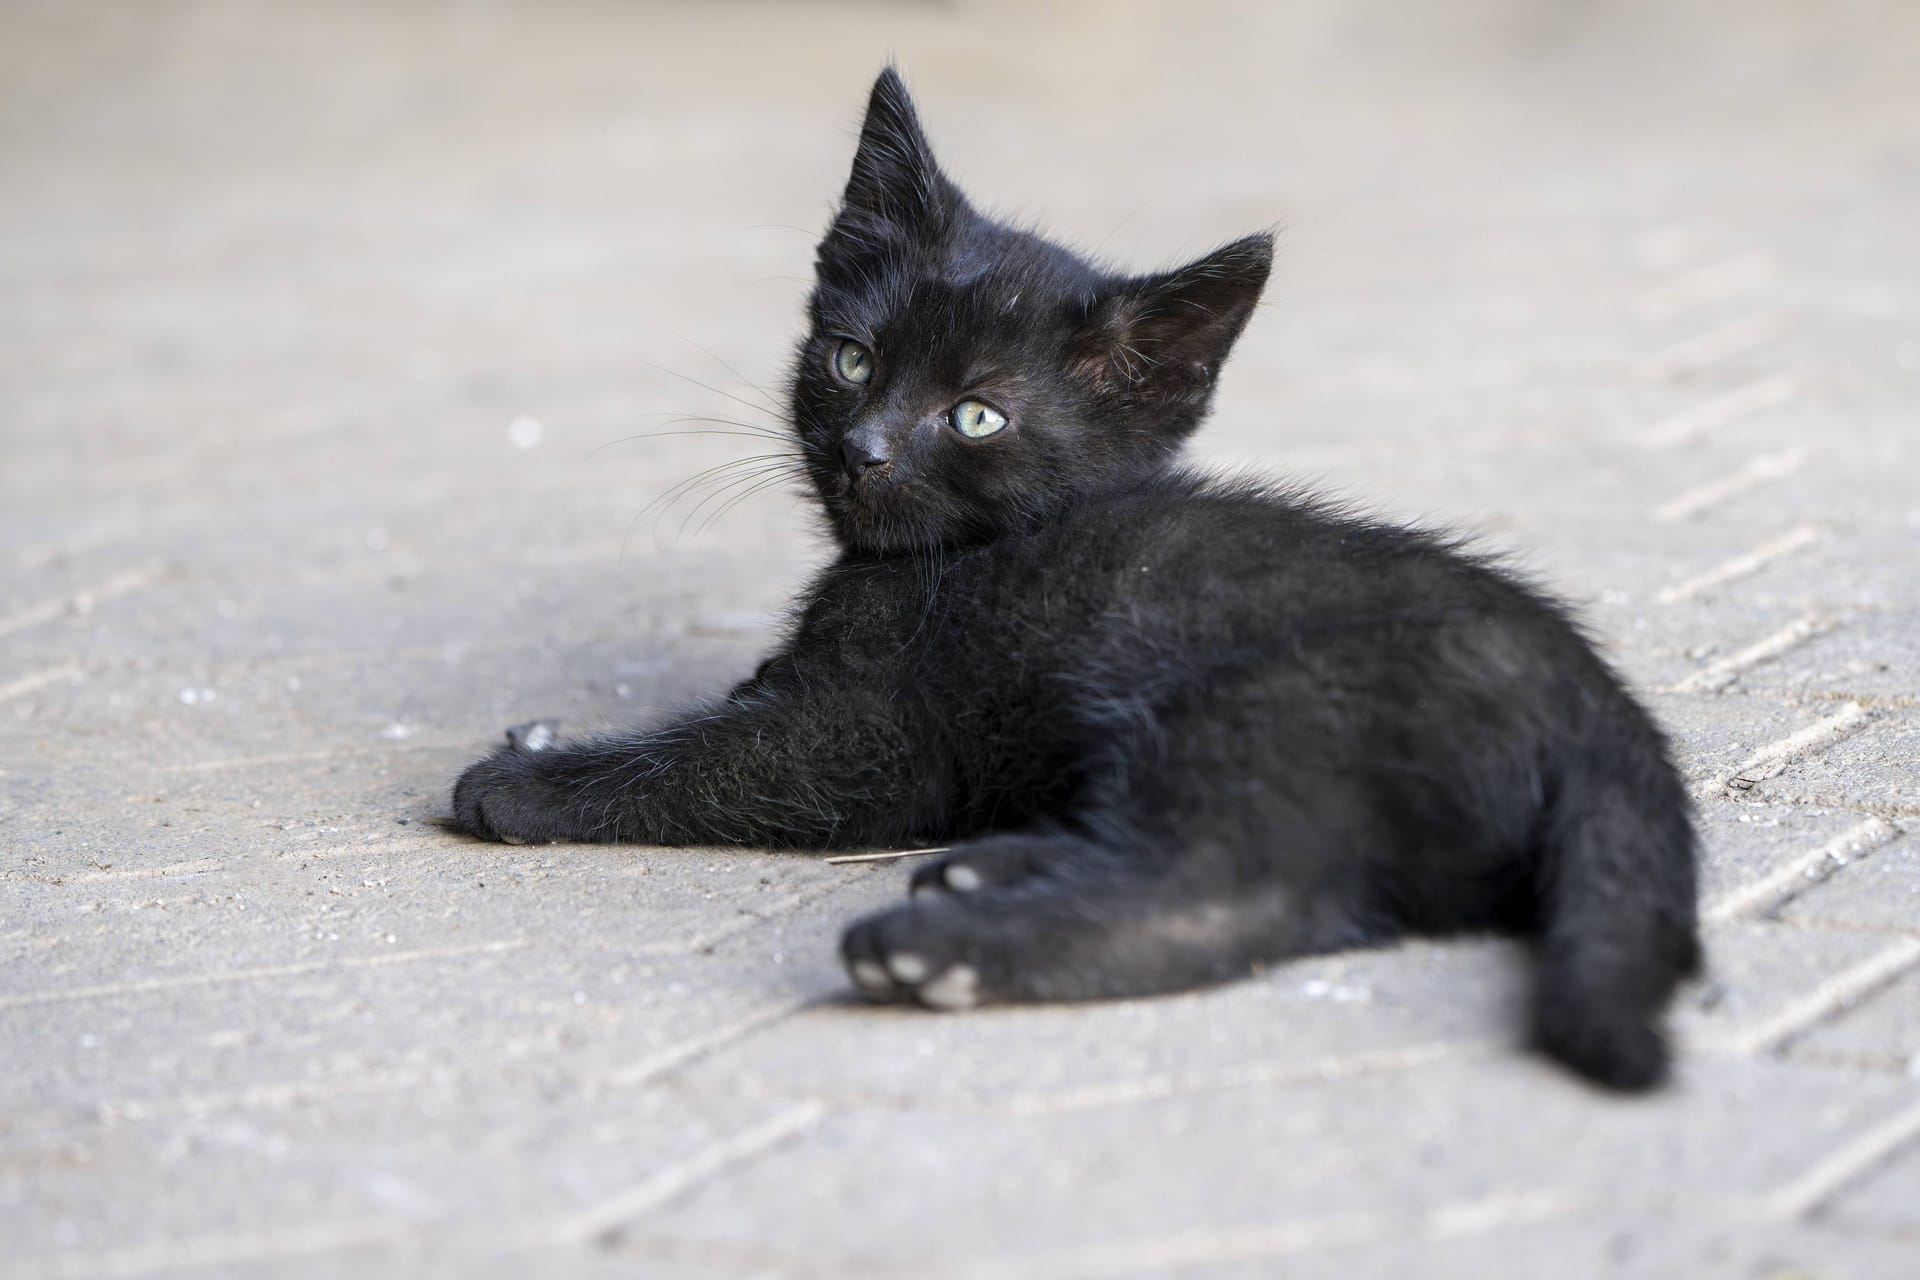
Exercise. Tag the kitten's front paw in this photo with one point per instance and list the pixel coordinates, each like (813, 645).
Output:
(498, 799)
(534, 735)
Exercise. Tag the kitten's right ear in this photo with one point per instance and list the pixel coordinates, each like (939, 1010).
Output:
(895, 180)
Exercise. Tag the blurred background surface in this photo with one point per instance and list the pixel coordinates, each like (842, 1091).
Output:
(337, 342)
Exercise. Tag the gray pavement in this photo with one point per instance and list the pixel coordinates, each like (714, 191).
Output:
(326, 334)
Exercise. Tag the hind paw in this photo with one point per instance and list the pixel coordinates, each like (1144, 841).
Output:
(986, 864)
(913, 953)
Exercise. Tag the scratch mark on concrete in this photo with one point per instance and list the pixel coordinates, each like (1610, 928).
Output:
(1841, 991)
(1156, 1087)
(697, 1046)
(1845, 1165)
(1741, 402)
(1713, 282)
(1762, 470)
(1724, 342)
(83, 601)
(1802, 873)
(607, 1217)
(37, 680)
(1166, 1254)
(1818, 735)
(142, 986)
(1742, 565)
(204, 1253)
(143, 873)
(1717, 675)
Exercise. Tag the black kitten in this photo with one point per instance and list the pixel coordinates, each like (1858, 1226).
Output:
(1175, 727)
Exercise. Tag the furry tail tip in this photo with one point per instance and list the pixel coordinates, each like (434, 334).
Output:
(1603, 1020)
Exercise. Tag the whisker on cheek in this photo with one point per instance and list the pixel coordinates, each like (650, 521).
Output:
(724, 477)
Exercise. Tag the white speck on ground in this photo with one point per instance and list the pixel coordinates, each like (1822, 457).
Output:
(525, 432)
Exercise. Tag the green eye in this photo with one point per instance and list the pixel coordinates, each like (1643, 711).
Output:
(853, 362)
(976, 419)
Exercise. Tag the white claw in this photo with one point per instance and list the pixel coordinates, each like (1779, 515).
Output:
(870, 977)
(957, 988)
(962, 879)
(535, 735)
(906, 966)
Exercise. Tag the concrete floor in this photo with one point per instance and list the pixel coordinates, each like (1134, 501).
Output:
(327, 332)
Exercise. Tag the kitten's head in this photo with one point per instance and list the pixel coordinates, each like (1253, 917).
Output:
(961, 377)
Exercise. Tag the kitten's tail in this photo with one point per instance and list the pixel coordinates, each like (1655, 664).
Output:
(1617, 920)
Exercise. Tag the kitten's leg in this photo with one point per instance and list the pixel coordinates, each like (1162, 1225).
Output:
(1038, 917)
(1177, 868)
(793, 769)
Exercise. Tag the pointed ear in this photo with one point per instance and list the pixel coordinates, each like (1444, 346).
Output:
(1166, 336)
(894, 179)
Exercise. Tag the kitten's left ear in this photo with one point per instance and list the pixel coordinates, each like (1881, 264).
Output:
(1166, 336)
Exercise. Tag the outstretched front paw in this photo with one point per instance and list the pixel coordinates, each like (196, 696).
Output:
(504, 797)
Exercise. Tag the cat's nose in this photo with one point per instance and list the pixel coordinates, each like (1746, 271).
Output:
(861, 454)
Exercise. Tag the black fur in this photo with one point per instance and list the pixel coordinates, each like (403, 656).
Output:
(1175, 727)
